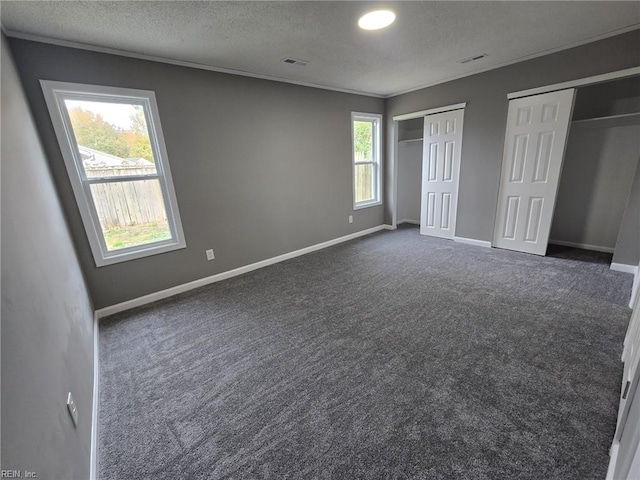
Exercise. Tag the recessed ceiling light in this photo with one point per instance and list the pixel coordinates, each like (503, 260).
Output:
(376, 20)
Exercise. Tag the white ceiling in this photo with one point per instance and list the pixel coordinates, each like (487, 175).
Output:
(421, 48)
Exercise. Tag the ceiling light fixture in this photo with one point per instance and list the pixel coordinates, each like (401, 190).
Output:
(376, 20)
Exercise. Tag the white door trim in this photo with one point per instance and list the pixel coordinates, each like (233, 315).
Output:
(394, 176)
(627, 444)
(431, 111)
(613, 460)
(581, 82)
(95, 408)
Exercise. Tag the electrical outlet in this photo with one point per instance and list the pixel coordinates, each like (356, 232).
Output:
(350, 218)
(73, 410)
(210, 255)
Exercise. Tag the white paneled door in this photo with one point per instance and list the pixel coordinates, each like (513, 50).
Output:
(535, 140)
(440, 173)
(625, 450)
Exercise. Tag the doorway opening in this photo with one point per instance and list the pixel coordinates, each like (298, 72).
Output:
(597, 196)
(426, 169)
(409, 178)
(569, 171)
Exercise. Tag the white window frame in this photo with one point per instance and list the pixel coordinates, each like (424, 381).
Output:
(55, 93)
(376, 138)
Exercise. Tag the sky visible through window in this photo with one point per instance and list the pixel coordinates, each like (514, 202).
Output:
(117, 114)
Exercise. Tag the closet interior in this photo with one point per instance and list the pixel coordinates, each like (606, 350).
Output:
(598, 200)
(410, 133)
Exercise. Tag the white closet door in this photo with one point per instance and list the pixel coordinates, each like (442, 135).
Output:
(625, 463)
(535, 140)
(440, 173)
(631, 359)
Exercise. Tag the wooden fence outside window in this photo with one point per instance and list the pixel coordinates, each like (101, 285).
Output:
(122, 204)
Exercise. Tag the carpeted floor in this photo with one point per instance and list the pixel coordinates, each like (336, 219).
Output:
(392, 356)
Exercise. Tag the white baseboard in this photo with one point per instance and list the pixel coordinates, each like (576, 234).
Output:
(473, 241)
(583, 246)
(621, 267)
(93, 465)
(412, 222)
(633, 270)
(169, 292)
(388, 227)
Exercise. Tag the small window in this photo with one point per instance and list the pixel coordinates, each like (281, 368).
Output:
(366, 159)
(112, 145)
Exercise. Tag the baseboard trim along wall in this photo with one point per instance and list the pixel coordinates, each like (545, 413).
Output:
(169, 292)
(473, 241)
(633, 270)
(621, 267)
(583, 246)
(93, 465)
(412, 222)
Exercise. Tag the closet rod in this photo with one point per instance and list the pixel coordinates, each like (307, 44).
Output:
(609, 117)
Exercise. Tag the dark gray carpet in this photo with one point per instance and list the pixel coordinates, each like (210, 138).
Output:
(392, 356)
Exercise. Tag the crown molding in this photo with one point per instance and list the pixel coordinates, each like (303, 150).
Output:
(231, 71)
(614, 33)
(181, 63)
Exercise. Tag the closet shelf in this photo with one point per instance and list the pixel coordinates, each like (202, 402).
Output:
(609, 117)
(410, 140)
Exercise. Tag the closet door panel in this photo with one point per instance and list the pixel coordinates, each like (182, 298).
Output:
(626, 462)
(535, 139)
(440, 173)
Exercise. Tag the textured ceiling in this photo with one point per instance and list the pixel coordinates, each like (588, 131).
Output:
(421, 48)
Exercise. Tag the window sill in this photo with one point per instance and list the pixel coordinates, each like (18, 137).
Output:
(142, 252)
(360, 206)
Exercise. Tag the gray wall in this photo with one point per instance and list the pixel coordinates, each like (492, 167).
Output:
(409, 180)
(628, 244)
(486, 114)
(260, 168)
(47, 318)
(597, 174)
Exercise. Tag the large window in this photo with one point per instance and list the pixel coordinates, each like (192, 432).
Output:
(366, 159)
(112, 145)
